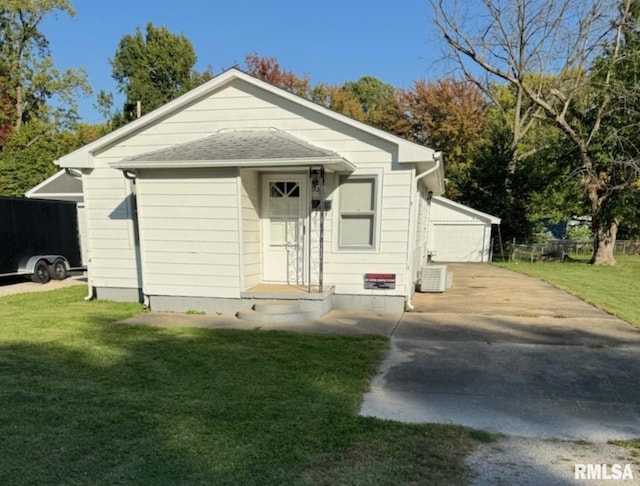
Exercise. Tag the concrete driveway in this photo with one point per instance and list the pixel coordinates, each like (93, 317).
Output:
(508, 353)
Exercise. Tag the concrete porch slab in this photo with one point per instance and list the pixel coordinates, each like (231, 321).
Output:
(334, 322)
(285, 292)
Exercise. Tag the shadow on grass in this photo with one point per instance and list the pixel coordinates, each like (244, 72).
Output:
(88, 401)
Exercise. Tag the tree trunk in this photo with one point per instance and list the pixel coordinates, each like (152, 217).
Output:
(604, 241)
(19, 107)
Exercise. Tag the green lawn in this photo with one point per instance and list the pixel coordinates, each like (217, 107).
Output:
(87, 401)
(614, 289)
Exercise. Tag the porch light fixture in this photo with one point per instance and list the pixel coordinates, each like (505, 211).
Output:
(316, 176)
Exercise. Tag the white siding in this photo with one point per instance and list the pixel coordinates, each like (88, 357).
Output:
(111, 250)
(458, 235)
(167, 215)
(421, 247)
(187, 252)
(82, 234)
(241, 106)
(251, 241)
(345, 269)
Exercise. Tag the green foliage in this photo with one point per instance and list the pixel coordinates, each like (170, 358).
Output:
(373, 96)
(616, 86)
(27, 73)
(38, 113)
(447, 115)
(541, 235)
(485, 187)
(544, 52)
(152, 68)
(579, 233)
(27, 158)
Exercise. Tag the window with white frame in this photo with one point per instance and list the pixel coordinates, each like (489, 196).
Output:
(357, 212)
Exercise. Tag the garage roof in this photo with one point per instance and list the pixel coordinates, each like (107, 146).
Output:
(466, 209)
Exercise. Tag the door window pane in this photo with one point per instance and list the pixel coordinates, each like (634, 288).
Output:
(284, 212)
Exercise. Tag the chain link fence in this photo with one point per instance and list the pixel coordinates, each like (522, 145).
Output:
(563, 250)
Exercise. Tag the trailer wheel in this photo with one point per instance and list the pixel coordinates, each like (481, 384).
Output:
(58, 270)
(41, 273)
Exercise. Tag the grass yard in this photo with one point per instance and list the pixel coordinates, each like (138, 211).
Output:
(614, 289)
(633, 445)
(87, 401)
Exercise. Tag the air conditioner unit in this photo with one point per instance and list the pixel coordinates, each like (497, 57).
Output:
(433, 278)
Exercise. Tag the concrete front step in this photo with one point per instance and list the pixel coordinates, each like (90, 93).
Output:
(277, 307)
(273, 311)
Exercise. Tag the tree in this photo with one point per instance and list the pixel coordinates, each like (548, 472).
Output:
(336, 98)
(368, 99)
(615, 78)
(28, 77)
(373, 96)
(484, 188)
(27, 158)
(364, 100)
(6, 115)
(38, 111)
(268, 69)
(446, 115)
(522, 43)
(152, 69)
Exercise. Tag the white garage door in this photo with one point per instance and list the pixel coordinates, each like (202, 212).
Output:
(459, 243)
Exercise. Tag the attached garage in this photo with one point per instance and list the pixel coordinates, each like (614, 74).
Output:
(459, 233)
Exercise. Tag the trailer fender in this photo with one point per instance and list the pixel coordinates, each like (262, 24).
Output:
(29, 266)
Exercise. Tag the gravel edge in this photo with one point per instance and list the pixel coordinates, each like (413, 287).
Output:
(526, 461)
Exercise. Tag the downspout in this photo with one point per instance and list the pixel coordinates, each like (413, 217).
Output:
(437, 157)
(91, 293)
(132, 175)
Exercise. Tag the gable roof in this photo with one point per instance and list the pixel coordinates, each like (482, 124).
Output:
(239, 148)
(60, 186)
(467, 210)
(408, 152)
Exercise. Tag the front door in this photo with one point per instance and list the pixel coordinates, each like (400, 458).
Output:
(285, 203)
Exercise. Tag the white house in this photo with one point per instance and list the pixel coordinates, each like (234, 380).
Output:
(458, 233)
(238, 188)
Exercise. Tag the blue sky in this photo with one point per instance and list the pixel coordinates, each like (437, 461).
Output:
(332, 41)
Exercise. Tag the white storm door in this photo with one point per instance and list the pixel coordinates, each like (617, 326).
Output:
(284, 200)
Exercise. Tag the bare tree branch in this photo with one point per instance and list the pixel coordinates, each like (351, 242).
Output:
(544, 50)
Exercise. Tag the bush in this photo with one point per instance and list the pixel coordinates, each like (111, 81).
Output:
(579, 233)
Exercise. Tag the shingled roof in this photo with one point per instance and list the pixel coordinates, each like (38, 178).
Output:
(238, 148)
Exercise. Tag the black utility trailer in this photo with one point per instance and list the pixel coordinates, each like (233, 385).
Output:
(38, 239)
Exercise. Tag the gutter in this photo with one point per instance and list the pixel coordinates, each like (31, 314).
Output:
(437, 157)
(91, 293)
